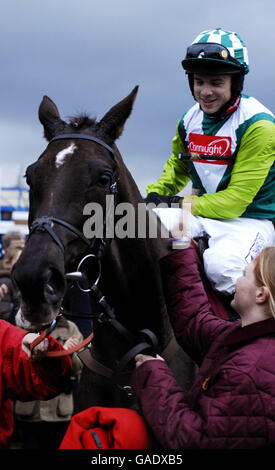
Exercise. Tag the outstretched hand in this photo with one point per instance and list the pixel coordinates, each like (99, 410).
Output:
(3, 291)
(71, 342)
(141, 358)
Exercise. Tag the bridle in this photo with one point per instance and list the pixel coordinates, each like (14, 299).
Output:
(146, 339)
(45, 223)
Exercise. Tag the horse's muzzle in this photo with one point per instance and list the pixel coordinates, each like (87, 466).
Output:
(41, 290)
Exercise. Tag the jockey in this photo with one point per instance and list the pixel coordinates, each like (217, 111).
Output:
(225, 145)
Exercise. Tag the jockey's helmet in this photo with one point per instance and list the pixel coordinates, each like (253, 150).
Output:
(216, 52)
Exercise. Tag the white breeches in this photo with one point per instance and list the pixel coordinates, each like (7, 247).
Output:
(233, 243)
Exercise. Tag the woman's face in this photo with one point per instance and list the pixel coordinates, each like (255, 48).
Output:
(245, 290)
(212, 91)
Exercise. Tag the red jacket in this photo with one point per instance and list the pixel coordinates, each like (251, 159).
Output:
(100, 427)
(232, 401)
(24, 379)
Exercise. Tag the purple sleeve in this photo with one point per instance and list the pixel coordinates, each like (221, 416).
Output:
(221, 419)
(189, 303)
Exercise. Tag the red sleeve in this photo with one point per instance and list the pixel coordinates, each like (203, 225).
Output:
(25, 379)
(189, 304)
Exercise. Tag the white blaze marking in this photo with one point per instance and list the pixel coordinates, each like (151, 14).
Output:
(60, 157)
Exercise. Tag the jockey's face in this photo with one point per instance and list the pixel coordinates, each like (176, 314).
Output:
(212, 91)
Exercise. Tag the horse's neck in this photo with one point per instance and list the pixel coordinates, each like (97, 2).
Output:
(130, 275)
(131, 281)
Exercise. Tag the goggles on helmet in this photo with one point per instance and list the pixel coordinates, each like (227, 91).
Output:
(209, 50)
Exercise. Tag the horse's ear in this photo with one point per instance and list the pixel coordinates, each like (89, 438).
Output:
(50, 118)
(113, 121)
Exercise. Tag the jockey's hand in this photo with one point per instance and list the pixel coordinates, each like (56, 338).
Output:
(3, 291)
(157, 199)
(38, 351)
(141, 358)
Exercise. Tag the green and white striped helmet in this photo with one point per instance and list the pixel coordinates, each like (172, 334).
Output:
(219, 49)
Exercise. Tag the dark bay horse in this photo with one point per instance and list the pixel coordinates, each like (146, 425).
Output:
(82, 164)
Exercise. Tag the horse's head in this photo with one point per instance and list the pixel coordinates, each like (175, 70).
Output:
(70, 173)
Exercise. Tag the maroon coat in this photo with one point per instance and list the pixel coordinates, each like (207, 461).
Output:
(232, 401)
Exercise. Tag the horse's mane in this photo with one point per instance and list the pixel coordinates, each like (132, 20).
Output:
(81, 122)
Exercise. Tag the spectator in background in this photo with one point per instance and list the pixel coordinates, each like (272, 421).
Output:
(12, 238)
(8, 296)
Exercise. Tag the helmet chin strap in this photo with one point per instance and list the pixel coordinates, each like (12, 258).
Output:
(226, 109)
(234, 106)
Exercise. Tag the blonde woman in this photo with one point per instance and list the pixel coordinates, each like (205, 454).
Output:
(232, 401)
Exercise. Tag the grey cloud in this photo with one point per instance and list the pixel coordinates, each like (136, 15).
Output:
(87, 55)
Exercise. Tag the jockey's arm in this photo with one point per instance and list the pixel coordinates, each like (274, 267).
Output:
(255, 157)
(175, 173)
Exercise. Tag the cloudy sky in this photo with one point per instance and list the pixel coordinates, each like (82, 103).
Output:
(87, 55)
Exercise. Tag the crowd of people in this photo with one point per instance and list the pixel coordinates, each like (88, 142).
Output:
(224, 144)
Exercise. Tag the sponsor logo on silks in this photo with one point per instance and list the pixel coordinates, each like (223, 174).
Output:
(256, 248)
(201, 146)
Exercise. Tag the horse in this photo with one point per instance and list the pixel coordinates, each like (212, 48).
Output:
(82, 164)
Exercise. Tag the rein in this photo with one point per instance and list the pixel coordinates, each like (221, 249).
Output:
(146, 339)
(62, 352)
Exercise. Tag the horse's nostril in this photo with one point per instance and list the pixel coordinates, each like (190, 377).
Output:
(54, 286)
(49, 289)
(51, 294)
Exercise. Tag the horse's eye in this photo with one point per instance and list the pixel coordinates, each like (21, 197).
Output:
(104, 180)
